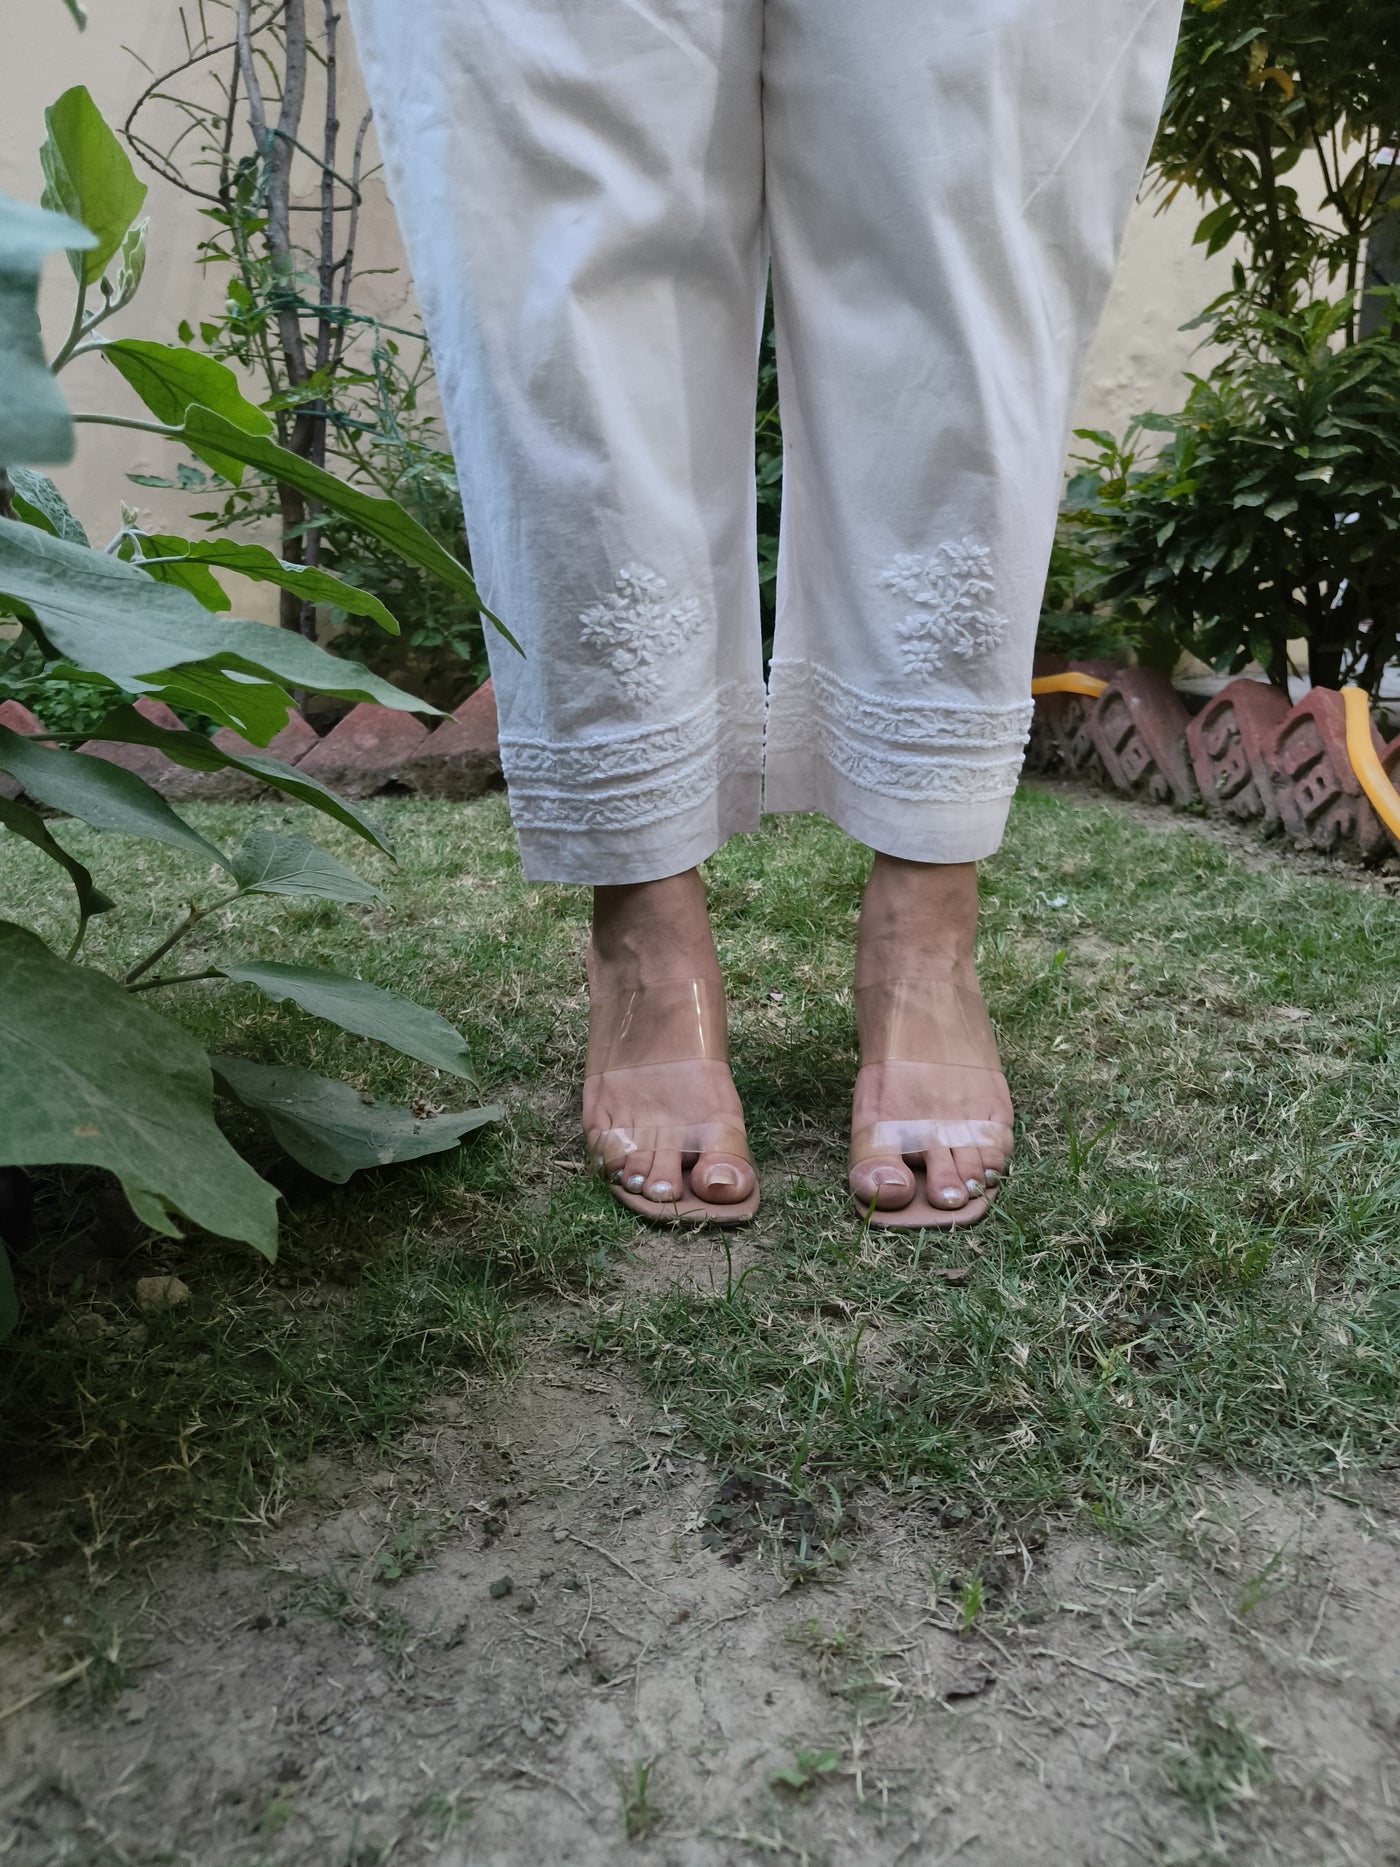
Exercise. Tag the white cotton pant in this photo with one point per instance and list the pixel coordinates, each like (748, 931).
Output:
(590, 192)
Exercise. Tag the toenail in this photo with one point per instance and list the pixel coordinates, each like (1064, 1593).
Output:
(953, 1195)
(617, 1176)
(722, 1176)
(992, 1177)
(635, 1182)
(888, 1176)
(663, 1189)
(974, 1187)
(597, 1163)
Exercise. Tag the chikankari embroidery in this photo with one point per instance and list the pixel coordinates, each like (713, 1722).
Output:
(946, 751)
(639, 627)
(955, 612)
(624, 781)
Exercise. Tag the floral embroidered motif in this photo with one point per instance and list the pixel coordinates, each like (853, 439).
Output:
(637, 627)
(955, 614)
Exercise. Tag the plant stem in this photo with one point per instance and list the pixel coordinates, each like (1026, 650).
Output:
(190, 922)
(78, 937)
(75, 331)
(182, 978)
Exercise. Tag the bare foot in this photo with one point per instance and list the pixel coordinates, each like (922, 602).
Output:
(647, 938)
(917, 922)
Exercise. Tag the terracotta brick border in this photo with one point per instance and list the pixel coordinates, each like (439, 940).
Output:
(1249, 754)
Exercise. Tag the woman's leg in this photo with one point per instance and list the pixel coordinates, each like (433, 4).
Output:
(580, 193)
(947, 186)
(579, 184)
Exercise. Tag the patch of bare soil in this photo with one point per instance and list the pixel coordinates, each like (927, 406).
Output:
(541, 1632)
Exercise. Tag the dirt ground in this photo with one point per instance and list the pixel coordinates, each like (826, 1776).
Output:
(538, 1631)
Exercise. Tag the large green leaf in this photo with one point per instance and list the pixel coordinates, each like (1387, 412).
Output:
(256, 710)
(168, 378)
(34, 420)
(38, 502)
(367, 1010)
(79, 785)
(197, 753)
(28, 824)
(89, 175)
(208, 435)
(94, 1076)
(274, 863)
(147, 554)
(332, 1130)
(108, 617)
(167, 555)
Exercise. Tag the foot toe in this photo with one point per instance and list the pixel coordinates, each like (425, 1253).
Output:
(888, 1182)
(970, 1168)
(722, 1179)
(635, 1170)
(945, 1184)
(664, 1183)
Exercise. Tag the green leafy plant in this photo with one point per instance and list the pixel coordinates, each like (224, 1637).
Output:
(1258, 87)
(807, 1768)
(1268, 513)
(93, 1075)
(1273, 510)
(255, 94)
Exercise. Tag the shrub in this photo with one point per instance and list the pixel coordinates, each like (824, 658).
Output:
(1273, 510)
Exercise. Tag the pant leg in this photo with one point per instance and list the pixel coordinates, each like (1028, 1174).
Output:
(947, 186)
(579, 185)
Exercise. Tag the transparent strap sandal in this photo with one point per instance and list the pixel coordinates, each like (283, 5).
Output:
(912, 1024)
(684, 1022)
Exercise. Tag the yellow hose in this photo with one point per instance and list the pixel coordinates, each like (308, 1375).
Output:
(1361, 750)
(1086, 684)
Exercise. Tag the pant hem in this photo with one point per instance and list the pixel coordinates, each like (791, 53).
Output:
(915, 831)
(667, 846)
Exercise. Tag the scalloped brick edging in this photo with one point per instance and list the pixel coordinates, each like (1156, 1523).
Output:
(1249, 755)
(1138, 726)
(1226, 741)
(1060, 722)
(371, 751)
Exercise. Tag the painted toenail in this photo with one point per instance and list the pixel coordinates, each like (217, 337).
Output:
(617, 1176)
(992, 1177)
(635, 1182)
(974, 1187)
(663, 1189)
(597, 1163)
(953, 1195)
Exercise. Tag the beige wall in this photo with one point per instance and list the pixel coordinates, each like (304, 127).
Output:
(1136, 363)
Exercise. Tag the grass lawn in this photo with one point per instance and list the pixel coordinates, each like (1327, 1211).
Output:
(1193, 1264)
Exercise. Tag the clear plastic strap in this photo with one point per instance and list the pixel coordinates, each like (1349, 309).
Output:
(608, 1148)
(917, 1137)
(678, 1021)
(932, 1020)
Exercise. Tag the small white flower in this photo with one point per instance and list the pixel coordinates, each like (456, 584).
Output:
(955, 614)
(638, 627)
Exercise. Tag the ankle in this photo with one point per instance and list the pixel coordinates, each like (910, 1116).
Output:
(915, 918)
(652, 931)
